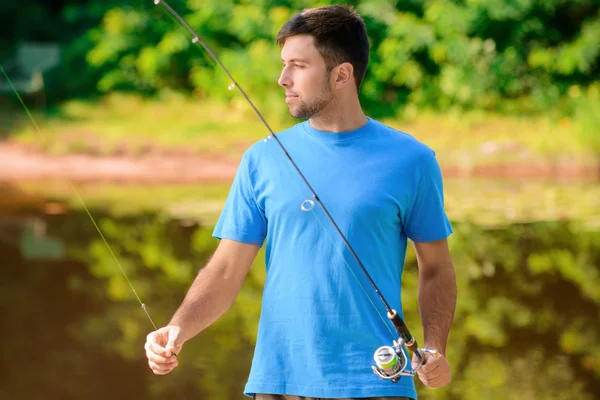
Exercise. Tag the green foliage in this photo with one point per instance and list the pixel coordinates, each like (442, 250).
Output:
(514, 56)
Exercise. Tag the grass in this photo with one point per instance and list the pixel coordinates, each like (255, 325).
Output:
(198, 202)
(121, 123)
(481, 201)
(483, 138)
(129, 124)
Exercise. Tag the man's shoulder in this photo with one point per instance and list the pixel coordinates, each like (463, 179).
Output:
(259, 147)
(404, 143)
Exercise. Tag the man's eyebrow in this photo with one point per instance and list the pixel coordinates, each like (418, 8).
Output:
(296, 60)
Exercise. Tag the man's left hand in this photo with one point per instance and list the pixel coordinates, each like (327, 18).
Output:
(435, 371)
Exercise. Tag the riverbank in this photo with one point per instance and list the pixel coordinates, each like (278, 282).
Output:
(175, 139)
(19, 163)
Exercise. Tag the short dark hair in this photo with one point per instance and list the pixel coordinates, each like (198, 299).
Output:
(339, 33)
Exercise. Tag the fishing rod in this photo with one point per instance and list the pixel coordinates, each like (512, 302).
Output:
(391, 361)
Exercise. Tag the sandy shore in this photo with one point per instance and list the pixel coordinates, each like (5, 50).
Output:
(19, 163)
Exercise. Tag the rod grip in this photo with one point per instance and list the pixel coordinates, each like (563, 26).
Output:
(409, 341)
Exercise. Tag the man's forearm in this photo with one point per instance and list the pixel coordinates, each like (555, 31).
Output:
(209, 297)
(437, 303)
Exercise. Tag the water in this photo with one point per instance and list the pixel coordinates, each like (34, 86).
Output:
(527, 257)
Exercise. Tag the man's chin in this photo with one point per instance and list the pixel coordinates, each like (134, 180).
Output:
(298, 115)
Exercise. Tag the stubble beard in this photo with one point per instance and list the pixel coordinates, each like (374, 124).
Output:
(308, 110)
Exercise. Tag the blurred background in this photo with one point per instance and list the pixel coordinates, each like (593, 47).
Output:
(141, 122)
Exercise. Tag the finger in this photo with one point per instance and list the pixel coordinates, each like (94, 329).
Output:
(162, 369)
(163, 366)
(157, 369)
(415, 360)
(155, 337)
(173, 350)
(432, 375)
(431, 370)
(437, 382)
(151, 337)
(154, 342)
(428, 367)
(437, 377)
(426, 358)
(156, 348)
(173, 344)
(160, 359)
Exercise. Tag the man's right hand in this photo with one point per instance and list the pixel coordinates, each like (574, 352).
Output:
(162, 347)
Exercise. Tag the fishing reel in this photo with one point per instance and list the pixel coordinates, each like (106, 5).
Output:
(391, 362)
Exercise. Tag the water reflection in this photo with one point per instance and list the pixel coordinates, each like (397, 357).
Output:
(526, 324)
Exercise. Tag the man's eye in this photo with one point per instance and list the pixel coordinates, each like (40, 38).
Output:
(293, 65)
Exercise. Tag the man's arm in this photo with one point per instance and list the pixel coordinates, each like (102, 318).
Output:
(437, 292)
(215, 288)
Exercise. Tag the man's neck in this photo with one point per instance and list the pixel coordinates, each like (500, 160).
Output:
(339, 119)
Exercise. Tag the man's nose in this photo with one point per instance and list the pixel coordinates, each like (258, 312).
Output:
(284, 79)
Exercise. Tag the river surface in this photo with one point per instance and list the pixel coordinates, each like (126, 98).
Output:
(527, 256)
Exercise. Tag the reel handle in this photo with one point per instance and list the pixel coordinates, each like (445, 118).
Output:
(421, 356)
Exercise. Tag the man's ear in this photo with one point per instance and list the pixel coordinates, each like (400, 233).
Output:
(344, 75)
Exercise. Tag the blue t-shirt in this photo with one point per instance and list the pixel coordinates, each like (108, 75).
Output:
(321, 321)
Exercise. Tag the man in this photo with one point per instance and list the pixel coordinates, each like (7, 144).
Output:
(321, 321)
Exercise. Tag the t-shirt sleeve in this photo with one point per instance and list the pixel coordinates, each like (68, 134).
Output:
(242, 219)
(426, 219)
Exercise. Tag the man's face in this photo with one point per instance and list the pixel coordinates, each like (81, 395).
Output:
(304, 77)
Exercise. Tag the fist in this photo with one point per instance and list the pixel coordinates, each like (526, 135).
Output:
(162, 347)
(435, 370)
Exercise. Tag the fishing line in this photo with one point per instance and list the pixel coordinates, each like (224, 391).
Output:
(87, 211)
(405, 337)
